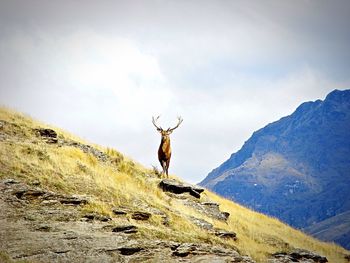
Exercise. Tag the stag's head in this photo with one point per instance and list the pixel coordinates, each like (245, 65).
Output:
(165, 133)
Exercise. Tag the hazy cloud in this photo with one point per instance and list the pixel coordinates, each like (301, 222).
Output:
(102, 69)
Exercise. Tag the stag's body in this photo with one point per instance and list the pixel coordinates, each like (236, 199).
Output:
(164, 151)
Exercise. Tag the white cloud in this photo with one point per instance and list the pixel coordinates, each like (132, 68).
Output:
(220, 120)
(228, 68)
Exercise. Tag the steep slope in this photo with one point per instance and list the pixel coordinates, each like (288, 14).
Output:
(297, 168)
(65, 200)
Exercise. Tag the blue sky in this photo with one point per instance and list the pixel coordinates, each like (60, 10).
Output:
(101, 69)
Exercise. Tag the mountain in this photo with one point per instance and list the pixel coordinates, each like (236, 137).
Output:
(63, 199)
(335, 228)
(297, 168)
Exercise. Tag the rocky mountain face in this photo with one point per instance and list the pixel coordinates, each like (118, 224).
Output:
(297, 168)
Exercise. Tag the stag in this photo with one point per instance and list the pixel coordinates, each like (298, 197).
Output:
(164, 151)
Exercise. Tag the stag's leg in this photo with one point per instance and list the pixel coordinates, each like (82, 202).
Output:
(167, 168)
(164, 168)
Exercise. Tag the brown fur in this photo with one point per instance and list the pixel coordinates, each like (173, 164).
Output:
(164, 153)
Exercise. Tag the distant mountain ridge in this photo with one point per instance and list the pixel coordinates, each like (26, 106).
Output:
(336, 229)
(297, 168)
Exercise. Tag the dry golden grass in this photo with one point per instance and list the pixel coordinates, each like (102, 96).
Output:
(123, 182)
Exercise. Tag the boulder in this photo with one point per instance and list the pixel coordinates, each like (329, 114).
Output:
(49, 135)
(128, 229)
(73, 200)
(129, 250)
(119, 211)
(173, 186)
(210, 209)
(201, 223)
(297, 255)
(10, 181)
(101, 156)
(24, 192)
(207, 253)
(225, 234)
(213, 210)
(95, 216)
(138, 215)
(184, 250)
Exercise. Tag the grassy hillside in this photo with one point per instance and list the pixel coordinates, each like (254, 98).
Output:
(109, 179)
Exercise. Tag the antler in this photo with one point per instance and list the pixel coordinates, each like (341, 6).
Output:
(180, 120)
(155, 125)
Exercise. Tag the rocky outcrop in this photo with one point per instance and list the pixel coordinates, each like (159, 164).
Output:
(129, 229)
(13, 132)
(178, 191)
(209, 208)
(297, 255)
(119, 211)
(139, 215)
(183, 193)
(48, 135)
(225, 234)
(95, 216)
(37, 195)
(200, 251)
(42, 226)
(101, 156)
(176, 187)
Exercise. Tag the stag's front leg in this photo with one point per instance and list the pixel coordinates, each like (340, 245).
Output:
(167, 168)
(164, 168)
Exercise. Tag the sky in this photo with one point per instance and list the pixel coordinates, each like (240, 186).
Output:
(102, 69)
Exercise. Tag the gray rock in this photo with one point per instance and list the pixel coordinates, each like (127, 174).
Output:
(213, 209)
(297, 255)
(43, 228)
(184, 250)
(207, 253)
(49, 135)
(36, 183)
(130, 250)
(119, 211)
(208, 208)
(225, 234)
(173, 186)
(138, 215)
(50, 202)
(129, 229)
(95, 216)
(201, 223)
(10, 181)
(29, 193)
(73, 200)
(101, 156)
